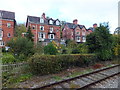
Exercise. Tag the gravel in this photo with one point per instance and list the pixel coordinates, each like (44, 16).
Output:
(113, 82)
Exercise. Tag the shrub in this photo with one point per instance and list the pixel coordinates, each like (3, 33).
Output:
(46, 64)
(8, 58)
(50, 49)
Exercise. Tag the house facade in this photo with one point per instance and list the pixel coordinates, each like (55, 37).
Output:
(44, 29)
(77, 32)
(7, 26)
(74, 31)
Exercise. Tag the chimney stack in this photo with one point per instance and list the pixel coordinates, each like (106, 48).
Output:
(95, 25)
(43, 15)
(75, 21)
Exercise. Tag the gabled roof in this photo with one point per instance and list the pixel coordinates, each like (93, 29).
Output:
(7, 14)
(35, 19)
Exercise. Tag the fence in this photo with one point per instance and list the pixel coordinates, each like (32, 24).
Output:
(13, 66)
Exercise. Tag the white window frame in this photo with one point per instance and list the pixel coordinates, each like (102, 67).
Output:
(8, 35)
(8, 25)
(50, 35)
(2, 43)
(83, 39)
(33, 27)
(50, 22)
(78, 39)
(41, 20)
(57, 22)
(41, 27)
(40, 35)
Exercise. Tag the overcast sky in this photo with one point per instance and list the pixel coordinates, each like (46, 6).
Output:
(87, 12)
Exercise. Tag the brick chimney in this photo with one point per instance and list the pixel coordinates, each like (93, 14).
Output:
(95, 25)
(75, 21)
(43, 15)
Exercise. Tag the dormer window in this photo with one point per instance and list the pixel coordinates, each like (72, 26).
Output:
(42, 28)
(41, 20)
(57, 22)
(50, 22)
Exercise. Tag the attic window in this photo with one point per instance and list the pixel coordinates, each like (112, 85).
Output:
(57, 22)
(50, 22)
(41, 20)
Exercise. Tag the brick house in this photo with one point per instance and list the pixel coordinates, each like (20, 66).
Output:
(74, 31)
(7, 26)
(44, 29)
(77, 32)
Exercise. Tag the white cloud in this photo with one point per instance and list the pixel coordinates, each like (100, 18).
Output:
(86, 11)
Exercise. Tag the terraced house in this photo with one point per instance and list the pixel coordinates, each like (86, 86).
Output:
(77, 32)
(44, 29)
(74, 31)
(7, 26)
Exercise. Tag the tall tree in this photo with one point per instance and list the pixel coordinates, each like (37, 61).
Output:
(101, 42)
(29, 34)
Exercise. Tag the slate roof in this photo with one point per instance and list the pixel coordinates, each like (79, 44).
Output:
(7, 14)
(91, 28)
(35, 19)
(73, 26)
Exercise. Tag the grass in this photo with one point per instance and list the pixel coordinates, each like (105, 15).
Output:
(15, 79)
(79, 73)
(57, 78)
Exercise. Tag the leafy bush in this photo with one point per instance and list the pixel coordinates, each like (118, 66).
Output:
(21, 45)
(50, 49)
(46, 64)
(8, 58)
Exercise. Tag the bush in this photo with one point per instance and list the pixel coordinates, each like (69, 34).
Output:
(50, 49)
(21, 45)
(46, 64)
(8, 58)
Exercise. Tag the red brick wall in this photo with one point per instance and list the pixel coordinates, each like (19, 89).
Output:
(56, 30)
(7, 30)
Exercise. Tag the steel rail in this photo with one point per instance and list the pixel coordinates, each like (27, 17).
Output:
(77, 77)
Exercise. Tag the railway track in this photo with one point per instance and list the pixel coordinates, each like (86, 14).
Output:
(85, 80)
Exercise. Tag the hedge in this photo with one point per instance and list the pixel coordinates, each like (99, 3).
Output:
(47, 64)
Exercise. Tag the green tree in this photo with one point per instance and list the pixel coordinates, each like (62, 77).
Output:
(101, 42)
(19, 29)
(29, 34)
(21, 46)
(50, 49)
